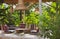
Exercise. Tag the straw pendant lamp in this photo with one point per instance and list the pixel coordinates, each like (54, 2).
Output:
(20, 7)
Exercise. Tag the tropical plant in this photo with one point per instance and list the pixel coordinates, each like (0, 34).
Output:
(32, 18)
(16, 18)
(4, 14)
(50, 21)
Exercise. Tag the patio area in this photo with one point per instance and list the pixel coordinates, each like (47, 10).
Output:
(29, 19)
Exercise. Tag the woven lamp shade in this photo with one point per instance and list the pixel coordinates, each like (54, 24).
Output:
(20, 5)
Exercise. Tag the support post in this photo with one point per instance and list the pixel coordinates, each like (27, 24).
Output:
(40, 7)
(20, 15)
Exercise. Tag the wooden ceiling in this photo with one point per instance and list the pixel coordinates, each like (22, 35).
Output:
(16, 1)
(38, 0)
(11, 1)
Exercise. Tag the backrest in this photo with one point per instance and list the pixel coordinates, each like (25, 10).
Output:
(32, 26)
(22, 25)
(12, 27)
(5, 28)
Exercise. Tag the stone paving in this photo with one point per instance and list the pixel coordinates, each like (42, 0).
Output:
(19, 36)
(13, 36)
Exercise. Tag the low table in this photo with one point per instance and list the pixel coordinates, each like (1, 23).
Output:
(20, 30)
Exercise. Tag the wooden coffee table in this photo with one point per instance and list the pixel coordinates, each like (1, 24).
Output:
(20, 30)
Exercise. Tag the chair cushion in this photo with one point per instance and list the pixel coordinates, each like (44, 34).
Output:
(33, 30)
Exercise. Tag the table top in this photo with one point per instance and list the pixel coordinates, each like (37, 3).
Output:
(21, 29)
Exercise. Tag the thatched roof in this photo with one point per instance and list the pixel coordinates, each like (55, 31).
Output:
(16, 1)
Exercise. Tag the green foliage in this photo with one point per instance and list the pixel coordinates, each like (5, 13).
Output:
(16, 18)
(50, 21)
(33, 18)
(3, 14)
